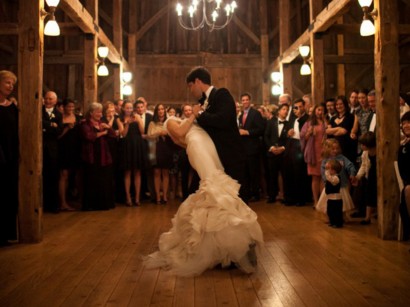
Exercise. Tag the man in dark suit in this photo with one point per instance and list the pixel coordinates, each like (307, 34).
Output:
(52, 128)
(276, 135)
(296, 181)
(217, 116)
(251, 129)
(147, 177)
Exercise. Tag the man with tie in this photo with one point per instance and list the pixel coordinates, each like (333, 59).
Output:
(147, 177)
(52, 128)
(296, 181)
(217, 116)
(251, 129)
(330, 109)
(275, 139)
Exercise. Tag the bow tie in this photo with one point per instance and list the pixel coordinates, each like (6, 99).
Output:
(282, 122)
(202, 99)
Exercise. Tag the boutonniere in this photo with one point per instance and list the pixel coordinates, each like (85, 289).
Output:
(52, 115)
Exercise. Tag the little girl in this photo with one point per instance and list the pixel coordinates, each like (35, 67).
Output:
(368, 170)
(332, 190)
(332, 150)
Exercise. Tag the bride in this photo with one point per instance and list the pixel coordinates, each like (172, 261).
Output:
(212, 226)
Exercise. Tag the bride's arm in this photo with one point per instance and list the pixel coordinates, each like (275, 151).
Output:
(177, 130)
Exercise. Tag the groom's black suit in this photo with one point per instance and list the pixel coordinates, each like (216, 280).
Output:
(219, 121)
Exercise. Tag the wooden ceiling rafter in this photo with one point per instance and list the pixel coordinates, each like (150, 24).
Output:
(323, 21)
(83, 19)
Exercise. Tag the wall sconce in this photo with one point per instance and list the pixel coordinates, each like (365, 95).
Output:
(51, 28)
(304, 52)
(126, 77)
(102, 68)
(277, 87)
(367, 26)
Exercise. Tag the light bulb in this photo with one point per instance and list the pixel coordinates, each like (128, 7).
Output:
(367, 28)
(276, 76)
(102, 70)
(53, 3)
(304, 51)
(103, 51)
(365, 3)
(127, 90)
(126, 76)
(276, 90)
(52, 28)
(305, 70)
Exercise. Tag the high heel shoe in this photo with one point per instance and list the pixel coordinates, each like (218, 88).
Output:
(128, 203)
(164, 202)
(137, 204)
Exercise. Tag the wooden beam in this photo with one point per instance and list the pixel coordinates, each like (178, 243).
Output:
(387, 80)
(246, 30)
(152, 21)
(30, 50)
(317, 62)
(329, 15)
(90, 61)
(80, 15)
(132, 43)
(284, 42)
(9, 28)
(264, 50)
(349, 59)
(117, 39)
(107, 18)
(321, 23)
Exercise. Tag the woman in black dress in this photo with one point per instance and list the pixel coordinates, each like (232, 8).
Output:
(69, 147)
(340, 127)
(97, 161)
(9, 152)
(164, 148)
(132, 157)
(404, 168)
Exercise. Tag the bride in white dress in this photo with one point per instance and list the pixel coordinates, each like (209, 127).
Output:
(212, 226)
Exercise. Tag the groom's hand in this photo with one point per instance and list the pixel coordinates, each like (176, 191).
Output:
(197, 110)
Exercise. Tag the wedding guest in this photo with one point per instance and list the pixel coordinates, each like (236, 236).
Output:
(340, 127)
(404, 168)
(312, 137)
(367, 170)
(133, 157)
(97, 160)
(69, 145)
(163, 153)
(9, 154)
(52, 127)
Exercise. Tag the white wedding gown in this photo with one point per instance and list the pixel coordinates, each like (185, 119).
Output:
(213, 225)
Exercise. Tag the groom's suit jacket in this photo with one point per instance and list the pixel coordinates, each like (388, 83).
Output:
(219, 121)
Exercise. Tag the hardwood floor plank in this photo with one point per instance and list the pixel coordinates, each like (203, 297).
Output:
(95, 259)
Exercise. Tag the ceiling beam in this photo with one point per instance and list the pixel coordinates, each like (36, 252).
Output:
(152, 21)
(326, 18)
(83, 19)
(246, 30)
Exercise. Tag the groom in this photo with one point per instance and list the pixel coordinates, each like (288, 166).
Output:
(217, 116)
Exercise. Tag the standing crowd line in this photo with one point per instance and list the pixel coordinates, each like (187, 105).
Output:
(298, 152)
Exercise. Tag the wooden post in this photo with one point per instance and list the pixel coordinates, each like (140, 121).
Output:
(132, 45)
(341, 80)
(264, 51)
(117, 40)
(316, 55)
(90, 60)
(30, 78)
(387, 73)
(284, 43)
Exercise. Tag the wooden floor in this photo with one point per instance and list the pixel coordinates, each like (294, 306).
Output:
(94, 259)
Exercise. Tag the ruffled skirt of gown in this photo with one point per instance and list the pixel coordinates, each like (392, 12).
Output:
(213, 226)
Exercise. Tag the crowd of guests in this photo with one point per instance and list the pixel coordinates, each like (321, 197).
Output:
(297, 152)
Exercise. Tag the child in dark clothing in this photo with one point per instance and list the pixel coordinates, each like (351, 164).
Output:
(332, 190)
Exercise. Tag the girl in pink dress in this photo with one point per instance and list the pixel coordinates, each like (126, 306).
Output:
(312, 137)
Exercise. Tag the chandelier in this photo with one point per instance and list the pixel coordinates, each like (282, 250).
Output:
(197, 20)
